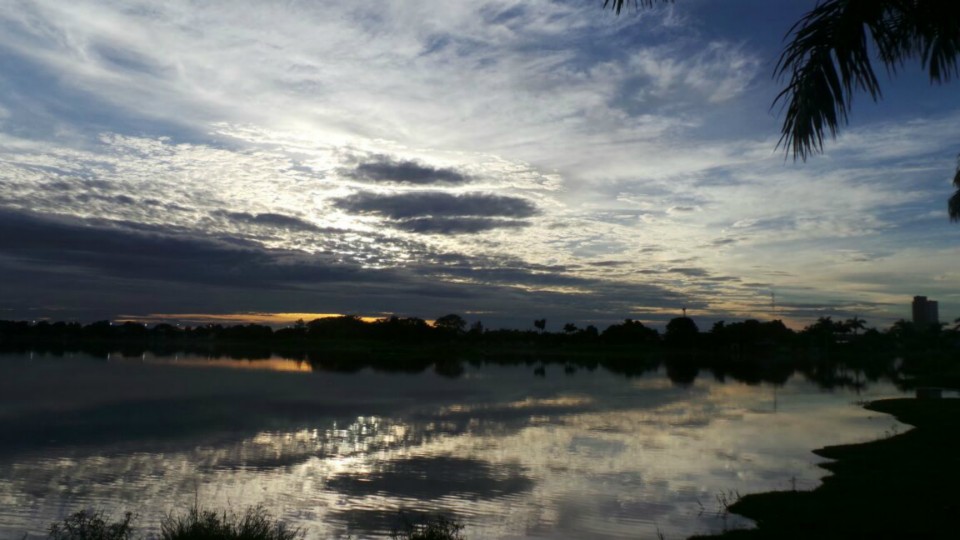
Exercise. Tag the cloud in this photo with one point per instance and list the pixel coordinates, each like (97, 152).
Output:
(440, 212)
(138, 268)
(575, 148)
(270, 219)
(161, 254)
(385, 169)
(691, 272)
(457, 225)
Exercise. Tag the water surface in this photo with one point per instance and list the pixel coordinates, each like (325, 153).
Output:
(589, 454)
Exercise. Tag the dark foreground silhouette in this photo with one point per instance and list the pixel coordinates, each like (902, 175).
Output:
(255, 523)
(902, 486)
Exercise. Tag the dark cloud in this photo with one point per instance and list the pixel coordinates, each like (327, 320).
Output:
(722, 279)
(608, 264)
(437, 204)
(386, 169)
(723, 242)
(270, 219)
(435, 212)
(690, 271)
(458, 225)
(98, 268)
(157, 253)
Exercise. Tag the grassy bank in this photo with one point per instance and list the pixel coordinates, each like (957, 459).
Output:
(904, 486)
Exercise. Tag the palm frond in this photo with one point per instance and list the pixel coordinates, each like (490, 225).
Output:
(617, 5)
(828, 59)
(953, 205)
(930, 30)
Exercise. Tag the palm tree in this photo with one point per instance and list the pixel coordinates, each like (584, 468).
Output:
(828, 59)
(856, 324)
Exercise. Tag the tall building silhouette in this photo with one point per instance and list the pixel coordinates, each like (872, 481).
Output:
(925, 312)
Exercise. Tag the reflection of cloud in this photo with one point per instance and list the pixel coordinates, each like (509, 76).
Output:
(376, 522)
(434, 477)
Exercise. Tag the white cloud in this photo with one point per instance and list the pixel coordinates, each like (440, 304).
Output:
(257, 108)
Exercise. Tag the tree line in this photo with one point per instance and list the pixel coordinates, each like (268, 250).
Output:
(680, 332)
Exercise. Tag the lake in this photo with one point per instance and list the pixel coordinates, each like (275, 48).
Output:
(510, 453)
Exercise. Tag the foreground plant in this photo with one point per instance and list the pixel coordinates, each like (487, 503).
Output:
(197, 524)
(255, 523)
(91, 525)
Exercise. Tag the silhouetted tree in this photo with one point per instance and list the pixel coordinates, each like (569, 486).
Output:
(569, 328)
(476, 329)
(824, 331)
(540, 324)
(451, 323)
(856, 324)
(346, 326)
(681, 331)
(902, 329)
(630, 331)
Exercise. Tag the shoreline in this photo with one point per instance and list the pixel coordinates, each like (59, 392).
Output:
(903, 486)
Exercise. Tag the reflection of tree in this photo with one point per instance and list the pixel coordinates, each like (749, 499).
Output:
(682, 372)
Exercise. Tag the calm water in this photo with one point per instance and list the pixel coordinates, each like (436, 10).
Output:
(584, 455)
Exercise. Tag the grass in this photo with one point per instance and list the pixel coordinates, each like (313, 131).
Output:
(200, 524)
(91, 525)
(255, 523)
(906, 485)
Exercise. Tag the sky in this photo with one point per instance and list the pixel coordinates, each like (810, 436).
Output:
(504, 160)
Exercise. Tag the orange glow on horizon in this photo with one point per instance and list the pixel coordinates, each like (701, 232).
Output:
(271, 319)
